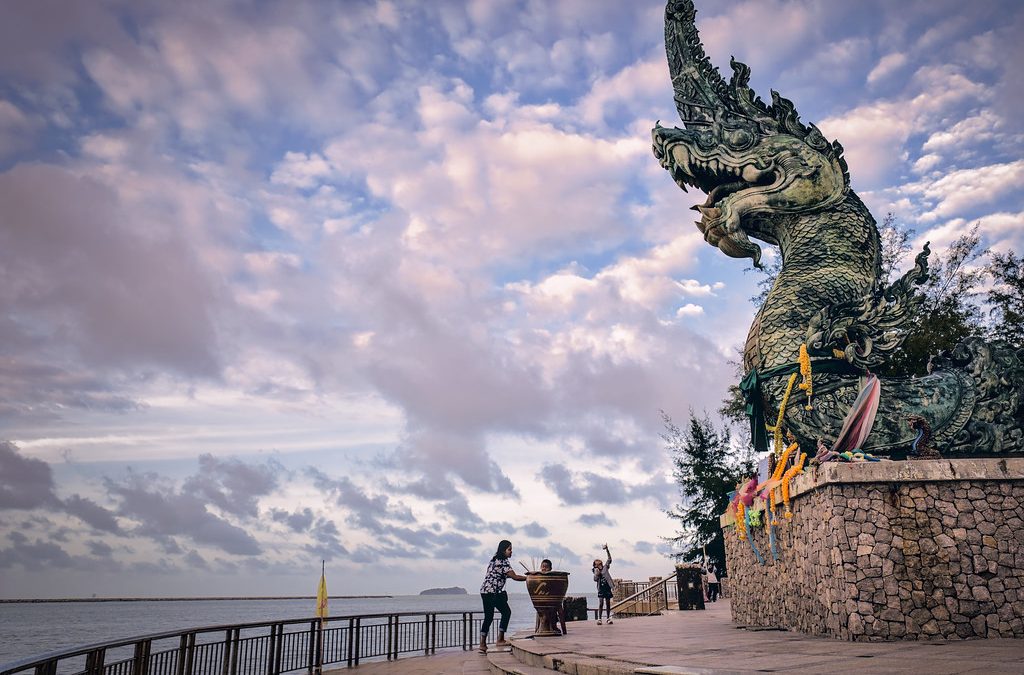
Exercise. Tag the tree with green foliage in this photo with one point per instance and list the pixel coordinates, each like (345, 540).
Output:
(950, 312)
(707, 466)
(1006, 298)
(895, 244)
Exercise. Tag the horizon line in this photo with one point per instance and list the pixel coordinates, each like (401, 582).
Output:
(192, 598)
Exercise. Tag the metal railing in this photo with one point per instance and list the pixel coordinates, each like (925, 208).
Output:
(265, 648)
(651, 598)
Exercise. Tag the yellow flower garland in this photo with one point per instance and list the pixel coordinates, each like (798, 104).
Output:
(777, 429)
(807, 385)
(780, 467)
(805, 373)
(788, 476)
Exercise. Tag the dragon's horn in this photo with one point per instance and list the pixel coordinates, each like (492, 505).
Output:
(701, 92)
(698, 86)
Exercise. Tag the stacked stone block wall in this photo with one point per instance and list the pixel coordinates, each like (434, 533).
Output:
(898, 559)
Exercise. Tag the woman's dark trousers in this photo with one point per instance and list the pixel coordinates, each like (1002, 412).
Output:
(495, 601)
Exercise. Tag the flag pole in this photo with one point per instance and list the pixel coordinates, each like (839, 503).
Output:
(321, 611)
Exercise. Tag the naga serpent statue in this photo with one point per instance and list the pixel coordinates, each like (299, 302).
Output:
(770, 177)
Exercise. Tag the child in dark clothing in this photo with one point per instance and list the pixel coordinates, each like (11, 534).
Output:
(559, 611)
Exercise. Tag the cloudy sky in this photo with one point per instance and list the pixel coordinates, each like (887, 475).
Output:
(385, 282)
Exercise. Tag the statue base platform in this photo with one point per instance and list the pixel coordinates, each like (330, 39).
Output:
(907, 550)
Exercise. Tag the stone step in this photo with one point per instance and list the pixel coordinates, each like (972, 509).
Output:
(551, 657)
(503, 663)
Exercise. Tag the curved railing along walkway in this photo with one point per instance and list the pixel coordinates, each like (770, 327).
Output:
(265, 648)
(652, 598)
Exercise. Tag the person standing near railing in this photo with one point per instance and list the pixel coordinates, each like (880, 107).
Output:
(494, 596)
(603, 577)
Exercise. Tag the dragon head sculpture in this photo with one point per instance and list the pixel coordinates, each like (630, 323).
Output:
(750, 158)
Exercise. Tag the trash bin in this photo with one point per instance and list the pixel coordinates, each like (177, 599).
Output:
(689, 586)
(575, 609)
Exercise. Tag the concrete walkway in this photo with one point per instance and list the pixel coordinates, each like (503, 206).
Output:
(708, 642)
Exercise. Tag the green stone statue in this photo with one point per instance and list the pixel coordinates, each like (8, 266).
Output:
(770, 177)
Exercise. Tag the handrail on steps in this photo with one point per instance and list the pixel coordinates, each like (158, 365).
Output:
(651, 592)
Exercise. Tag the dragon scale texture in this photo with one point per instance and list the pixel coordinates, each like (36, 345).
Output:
(810, 280)
(770, 177)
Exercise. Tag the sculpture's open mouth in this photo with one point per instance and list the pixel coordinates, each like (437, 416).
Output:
(746, 176)
(718, 176)
(721, 177)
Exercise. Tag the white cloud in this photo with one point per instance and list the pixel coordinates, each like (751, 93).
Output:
(16, 128)
(637, 84)
(887, 65)
(106, 147)
(980, 128)
(1006, 227)
(300, 170)
(719, 33)
(871, 135)
(268, 262)
(963, 191)
(349, 234)
(645, 282)
(875, 135)
(926, 163)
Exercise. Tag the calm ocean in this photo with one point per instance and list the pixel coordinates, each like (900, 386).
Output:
(32, 629)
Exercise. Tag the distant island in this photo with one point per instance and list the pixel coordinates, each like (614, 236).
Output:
(454, 590)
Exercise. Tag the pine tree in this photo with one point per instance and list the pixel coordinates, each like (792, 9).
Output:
(1006, 298)
(707, 467)
(950, 313)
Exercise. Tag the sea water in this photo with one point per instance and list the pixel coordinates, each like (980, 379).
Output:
(31, 629)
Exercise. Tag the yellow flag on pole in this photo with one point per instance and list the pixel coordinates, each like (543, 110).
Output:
(321, 595)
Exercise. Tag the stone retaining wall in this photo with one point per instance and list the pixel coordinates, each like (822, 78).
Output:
(891, 551)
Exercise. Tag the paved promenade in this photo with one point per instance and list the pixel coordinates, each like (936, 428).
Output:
(708, 643)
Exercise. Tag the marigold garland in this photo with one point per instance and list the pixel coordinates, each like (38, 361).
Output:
(805, 373)
(777, 429)
(780, 468)
(797, 468)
